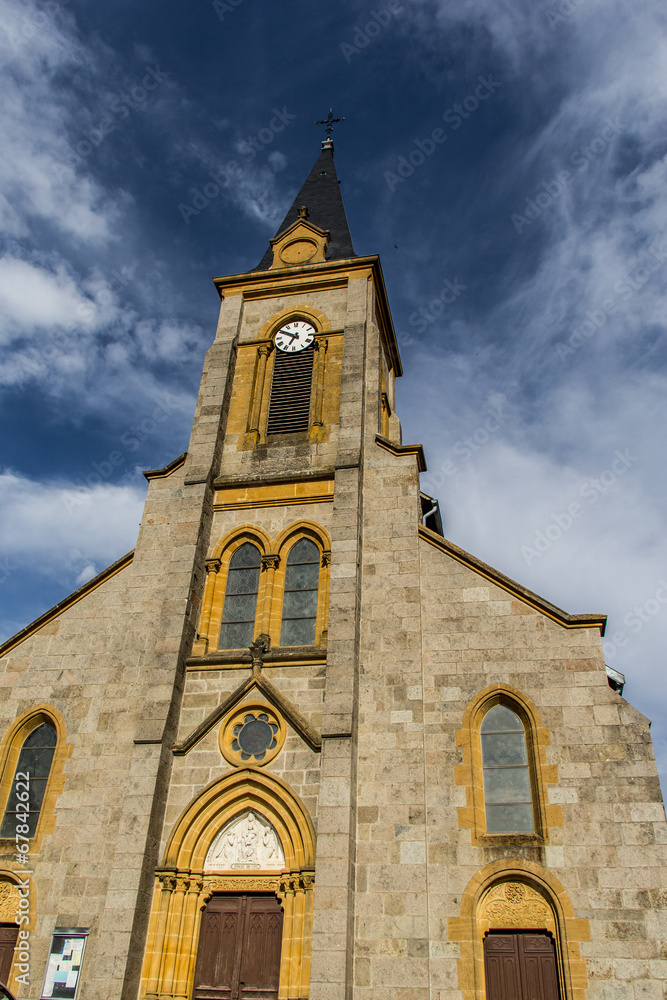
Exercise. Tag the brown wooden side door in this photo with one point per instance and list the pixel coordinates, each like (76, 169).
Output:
(8, 937)
(239, 949)
(520, 966)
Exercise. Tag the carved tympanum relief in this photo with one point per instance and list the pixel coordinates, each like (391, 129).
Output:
(9, 901)
(515, 904)
(246, 842)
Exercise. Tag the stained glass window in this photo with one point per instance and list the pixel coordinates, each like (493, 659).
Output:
(238, 612)
(29, 784)
(302, 577)
(507, 790)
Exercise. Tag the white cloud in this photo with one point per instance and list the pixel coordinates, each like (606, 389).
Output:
(67, 527)
(34, 48)
(32, 297)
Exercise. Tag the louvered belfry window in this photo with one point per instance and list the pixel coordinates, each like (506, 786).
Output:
(289, 408)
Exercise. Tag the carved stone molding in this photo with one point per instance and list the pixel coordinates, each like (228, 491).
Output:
(515, 904)
(239, 883)
(9, 902)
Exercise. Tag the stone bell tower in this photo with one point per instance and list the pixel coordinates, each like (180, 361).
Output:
(295, 437)
(297, 745)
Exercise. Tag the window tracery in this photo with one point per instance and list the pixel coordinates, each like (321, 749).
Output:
(257, 586)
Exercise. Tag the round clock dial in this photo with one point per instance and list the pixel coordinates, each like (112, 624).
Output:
(295, 336)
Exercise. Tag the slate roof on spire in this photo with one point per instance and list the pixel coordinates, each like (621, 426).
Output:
(321, 195)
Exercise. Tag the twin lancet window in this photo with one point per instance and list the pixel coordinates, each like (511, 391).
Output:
(300, 597)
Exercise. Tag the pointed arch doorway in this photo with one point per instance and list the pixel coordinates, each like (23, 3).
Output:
(233, 903)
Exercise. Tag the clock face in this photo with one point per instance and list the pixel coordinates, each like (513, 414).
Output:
(295, 336)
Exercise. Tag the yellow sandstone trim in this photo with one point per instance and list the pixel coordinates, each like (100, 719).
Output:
(182, 886)
(268, 615)
(469, 773)
(514, 894)
(275, 495)
(320, 277)
(10, 748)
(73, 599)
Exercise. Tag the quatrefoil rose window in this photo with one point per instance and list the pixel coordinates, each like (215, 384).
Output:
(252, 734)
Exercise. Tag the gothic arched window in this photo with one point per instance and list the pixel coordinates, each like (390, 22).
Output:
(238, 611)
(508, 795)
(29, 783)
(289, 406)
(302, 576)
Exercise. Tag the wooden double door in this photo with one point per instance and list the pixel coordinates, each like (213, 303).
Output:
(238, 957)
(520, 966)
(8, 936)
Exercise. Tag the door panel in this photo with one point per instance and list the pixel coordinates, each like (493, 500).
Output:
(501, 964)
(8, 937)
(239, 951)
(520, 966)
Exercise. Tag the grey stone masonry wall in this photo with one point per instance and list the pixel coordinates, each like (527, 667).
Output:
(610, 853)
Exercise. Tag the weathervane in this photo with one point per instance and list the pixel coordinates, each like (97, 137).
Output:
(329, 122)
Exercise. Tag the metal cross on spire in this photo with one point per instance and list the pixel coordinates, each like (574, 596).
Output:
(329, 122)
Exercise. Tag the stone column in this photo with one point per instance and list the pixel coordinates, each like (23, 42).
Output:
(157, 934)
(263, 352)
(186, 954)
(200, 647)
(270, 563)
(173, 936)
(320, 348)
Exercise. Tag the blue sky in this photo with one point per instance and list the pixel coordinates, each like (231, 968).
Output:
(506, 158)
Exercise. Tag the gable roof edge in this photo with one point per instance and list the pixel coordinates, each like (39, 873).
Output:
(309, 735)
(533, 600)
(74, 598)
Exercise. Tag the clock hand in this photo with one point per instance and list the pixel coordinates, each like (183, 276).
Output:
(292, 336)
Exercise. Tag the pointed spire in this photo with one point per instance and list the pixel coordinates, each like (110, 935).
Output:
(321, 196)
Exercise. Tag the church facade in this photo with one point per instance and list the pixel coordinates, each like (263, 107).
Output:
(297, 744)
